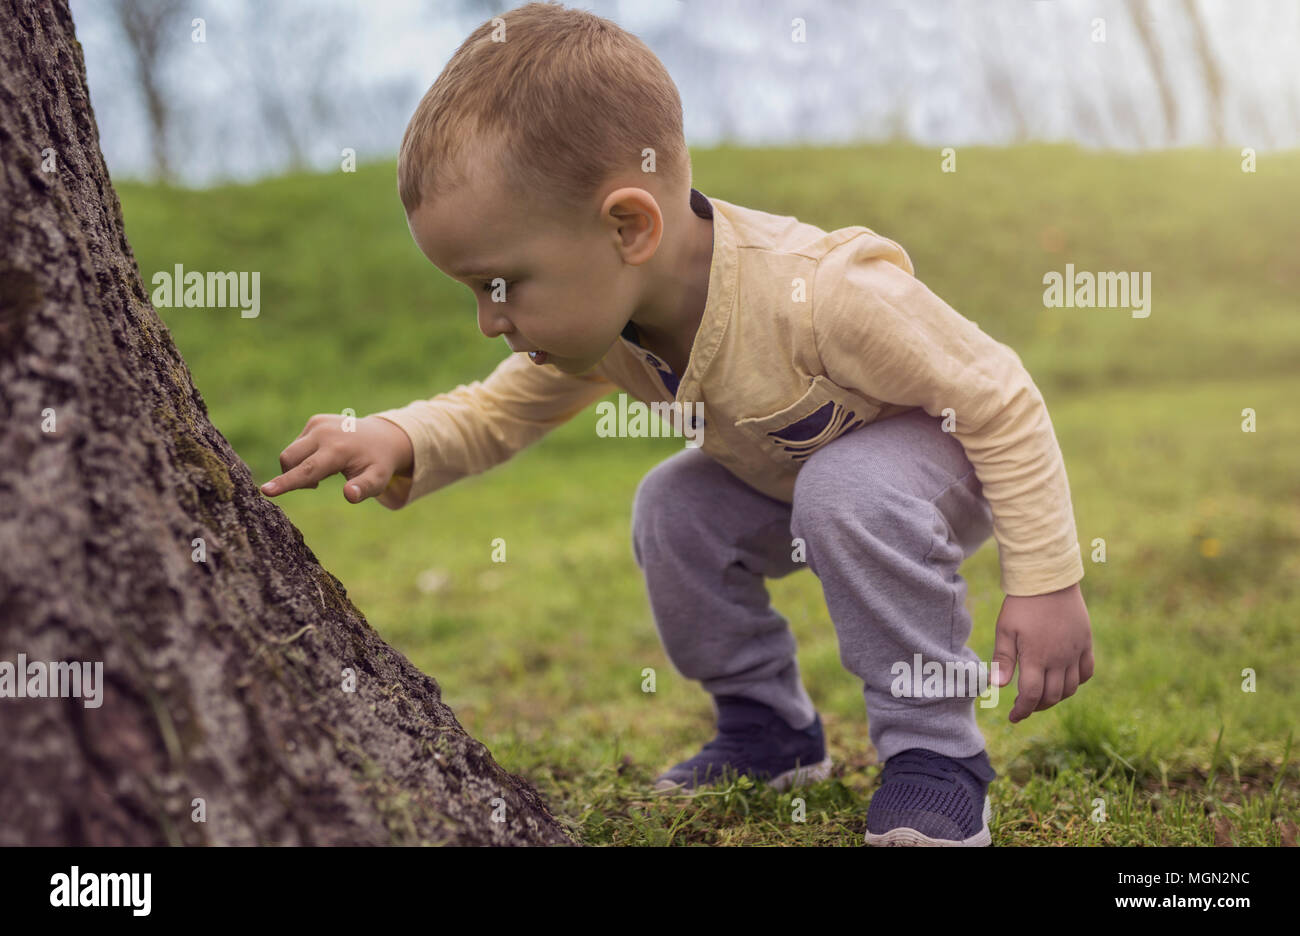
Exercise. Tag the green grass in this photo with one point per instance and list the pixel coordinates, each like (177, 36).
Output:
(542, 656)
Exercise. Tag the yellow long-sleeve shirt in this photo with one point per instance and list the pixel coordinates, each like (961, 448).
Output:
(805, 335)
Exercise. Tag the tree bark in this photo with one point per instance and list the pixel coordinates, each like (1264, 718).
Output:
(223, 686)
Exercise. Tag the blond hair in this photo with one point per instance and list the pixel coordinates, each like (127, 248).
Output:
(567, 101)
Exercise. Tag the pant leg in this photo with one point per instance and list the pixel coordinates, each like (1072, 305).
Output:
(705, 541)
(889, 512)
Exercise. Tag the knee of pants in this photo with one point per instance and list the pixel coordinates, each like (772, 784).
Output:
(825, 495)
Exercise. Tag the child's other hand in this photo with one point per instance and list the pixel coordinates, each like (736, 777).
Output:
(368, 456)
(1052, 636)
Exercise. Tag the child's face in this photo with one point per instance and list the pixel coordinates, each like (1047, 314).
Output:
(569, 288)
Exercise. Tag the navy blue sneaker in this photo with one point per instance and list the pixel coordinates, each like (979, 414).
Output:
(926, 798)
(755, 741)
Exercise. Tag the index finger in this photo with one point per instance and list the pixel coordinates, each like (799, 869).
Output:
(313, 467)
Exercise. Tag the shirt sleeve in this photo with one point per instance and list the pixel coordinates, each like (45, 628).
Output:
(470, 429)
(882, 333)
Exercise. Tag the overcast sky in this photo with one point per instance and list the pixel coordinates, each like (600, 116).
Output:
(939, 72)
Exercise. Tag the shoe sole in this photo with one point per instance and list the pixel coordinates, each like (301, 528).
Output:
(905, 836)
(782, 781)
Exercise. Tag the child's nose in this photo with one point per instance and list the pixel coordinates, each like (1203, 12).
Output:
(490, 320)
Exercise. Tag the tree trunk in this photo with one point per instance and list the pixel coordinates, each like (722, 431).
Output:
(224, 714)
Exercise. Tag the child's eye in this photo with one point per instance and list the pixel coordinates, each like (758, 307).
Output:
(488, 287)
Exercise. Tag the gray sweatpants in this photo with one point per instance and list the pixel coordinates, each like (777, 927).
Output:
(887, 513)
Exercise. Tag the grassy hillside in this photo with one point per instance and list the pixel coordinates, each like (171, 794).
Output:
(541, 656)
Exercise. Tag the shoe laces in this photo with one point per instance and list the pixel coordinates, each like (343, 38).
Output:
(921, 763)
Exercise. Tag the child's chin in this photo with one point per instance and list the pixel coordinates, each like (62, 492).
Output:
(571, 366)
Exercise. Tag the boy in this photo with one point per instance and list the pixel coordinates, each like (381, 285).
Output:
(852, 421)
